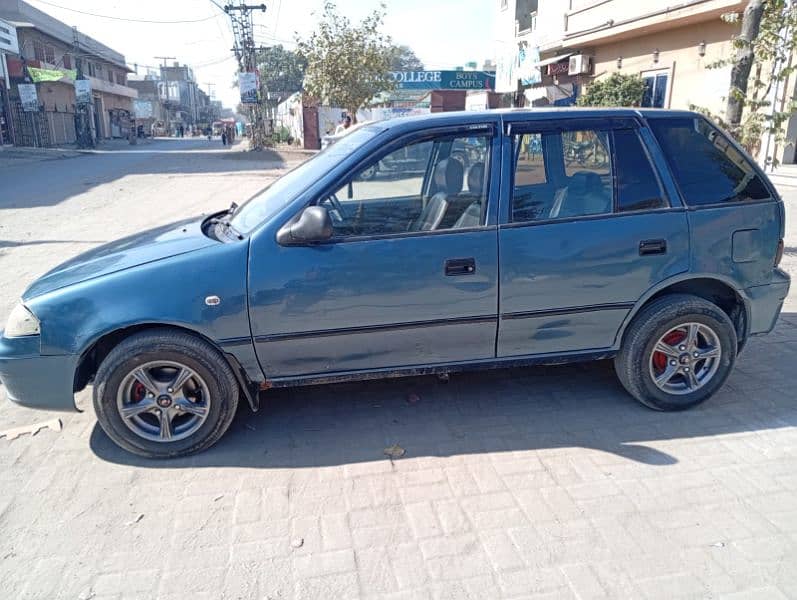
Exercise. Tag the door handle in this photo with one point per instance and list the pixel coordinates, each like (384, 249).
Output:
(460, 266)
(649, 247)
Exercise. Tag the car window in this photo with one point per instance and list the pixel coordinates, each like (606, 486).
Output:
(706, 166)
(530, 169)
(577, 167)
(280, 193)
(433, 184)
(638, 187)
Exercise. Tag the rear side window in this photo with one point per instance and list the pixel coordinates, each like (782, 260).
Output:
(706, 166)
(638, 187)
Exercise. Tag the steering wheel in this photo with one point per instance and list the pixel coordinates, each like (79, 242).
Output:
(336, 212)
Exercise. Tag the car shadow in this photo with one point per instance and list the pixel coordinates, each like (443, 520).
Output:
(507, 410)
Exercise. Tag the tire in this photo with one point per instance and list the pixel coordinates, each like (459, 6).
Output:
(667, 319)
(211, 391)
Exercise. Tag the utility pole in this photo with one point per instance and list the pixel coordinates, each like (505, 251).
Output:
(83, 110)
(246, 53)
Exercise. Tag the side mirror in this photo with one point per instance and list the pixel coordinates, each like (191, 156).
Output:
(312, 225)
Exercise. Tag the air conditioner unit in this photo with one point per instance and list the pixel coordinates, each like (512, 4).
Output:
(579, 65)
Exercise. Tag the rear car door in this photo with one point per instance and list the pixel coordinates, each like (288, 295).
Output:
(410, 277)
(586, 229)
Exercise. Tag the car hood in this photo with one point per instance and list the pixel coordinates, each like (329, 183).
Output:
(144, 247)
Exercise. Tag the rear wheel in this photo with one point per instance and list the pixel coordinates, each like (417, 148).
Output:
(677, 352)
(164, 394)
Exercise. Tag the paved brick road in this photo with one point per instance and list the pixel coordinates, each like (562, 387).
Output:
(528, 483)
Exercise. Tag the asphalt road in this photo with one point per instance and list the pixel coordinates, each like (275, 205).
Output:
(524, 483)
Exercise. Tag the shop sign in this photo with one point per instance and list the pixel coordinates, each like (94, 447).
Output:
(247, 84)
(443, 80)
(8, 38)
(83, 91)
(28, 97)
(559, 68)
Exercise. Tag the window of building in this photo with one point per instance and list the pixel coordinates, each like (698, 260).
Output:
(655, 90)
(110, 75)
(577, 167)
(706, 166)
(526, 14)
(38, 50)
(504, 4)
(429, 185)
(91, 68)
(638, 187)
(67, 61)
(120, 78)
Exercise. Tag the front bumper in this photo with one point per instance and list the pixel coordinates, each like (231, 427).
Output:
(766, 302)
(36, 381)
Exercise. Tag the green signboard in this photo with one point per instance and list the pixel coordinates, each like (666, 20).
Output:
(444, 80)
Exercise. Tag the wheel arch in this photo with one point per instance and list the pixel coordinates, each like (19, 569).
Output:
(101, 346)
(714, 288)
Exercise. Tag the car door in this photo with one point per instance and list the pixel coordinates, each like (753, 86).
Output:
(401, 283)
(587, 228)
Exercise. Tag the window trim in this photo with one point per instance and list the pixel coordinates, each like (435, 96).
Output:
(467, 130)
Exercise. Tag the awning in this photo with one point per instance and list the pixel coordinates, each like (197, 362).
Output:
(550, 61)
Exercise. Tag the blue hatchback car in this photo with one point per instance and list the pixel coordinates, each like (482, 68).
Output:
(421, 245)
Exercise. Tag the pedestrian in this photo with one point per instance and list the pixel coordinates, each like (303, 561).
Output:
(181, 129)
(224, 137)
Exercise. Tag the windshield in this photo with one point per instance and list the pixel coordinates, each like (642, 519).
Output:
(258, 208)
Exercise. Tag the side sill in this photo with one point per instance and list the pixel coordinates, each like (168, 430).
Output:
(443, 368)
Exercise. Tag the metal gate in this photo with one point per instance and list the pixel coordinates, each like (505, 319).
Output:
(30, 128)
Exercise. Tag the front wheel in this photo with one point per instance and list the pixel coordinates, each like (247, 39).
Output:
(164, 394)
(677, 352)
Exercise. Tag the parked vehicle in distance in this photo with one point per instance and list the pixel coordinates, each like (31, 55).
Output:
(644, 236)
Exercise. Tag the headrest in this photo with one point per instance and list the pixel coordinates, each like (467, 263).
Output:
(476, 178)
(449, 176)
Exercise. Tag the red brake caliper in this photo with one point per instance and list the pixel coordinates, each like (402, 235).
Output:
(673, 339)
(139, 391)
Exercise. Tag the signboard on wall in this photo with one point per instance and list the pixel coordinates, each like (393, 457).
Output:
(247, 84)
(83, 91)
(443, 80)
(8, 38)
(28, 97)
(143, 109)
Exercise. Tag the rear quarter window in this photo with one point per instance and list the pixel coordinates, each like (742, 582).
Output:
(706, 166)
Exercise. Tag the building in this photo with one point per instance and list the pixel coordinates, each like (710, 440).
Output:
(548, 50)
(178, 93)
(47, 43)
(149, 112)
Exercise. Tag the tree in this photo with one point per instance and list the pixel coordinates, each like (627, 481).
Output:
(281, 70)
(615, 90)
(405, 59)
(347, 64)
(743, 61)
(758, 101)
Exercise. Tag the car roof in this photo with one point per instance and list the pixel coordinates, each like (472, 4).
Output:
(467, 117)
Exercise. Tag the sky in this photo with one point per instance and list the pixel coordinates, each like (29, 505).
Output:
(443, 33)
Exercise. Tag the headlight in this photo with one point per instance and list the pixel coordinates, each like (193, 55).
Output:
(21, 322)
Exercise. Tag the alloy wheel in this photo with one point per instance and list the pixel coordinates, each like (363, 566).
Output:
(163, 401)
(685, 358)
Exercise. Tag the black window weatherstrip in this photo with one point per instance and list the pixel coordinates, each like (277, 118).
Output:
(278, 337)
(566, 311)
(572, 124)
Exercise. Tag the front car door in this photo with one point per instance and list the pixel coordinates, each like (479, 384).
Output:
(410, 277)
(587, 228)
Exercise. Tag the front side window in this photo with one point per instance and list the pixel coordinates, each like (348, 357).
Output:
(431, 184)
(562, 175)
(706, 166)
